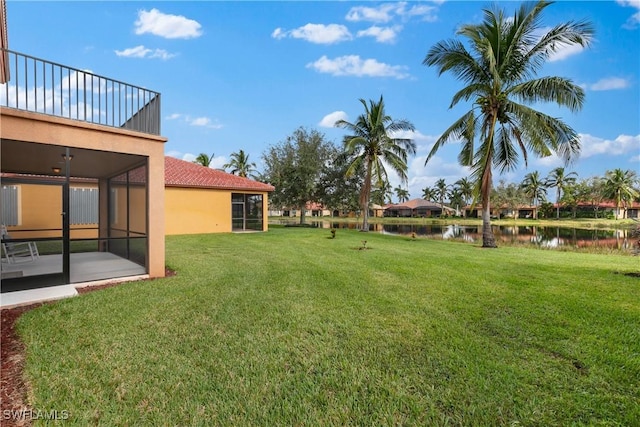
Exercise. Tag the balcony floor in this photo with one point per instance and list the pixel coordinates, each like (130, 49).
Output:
(86, 269)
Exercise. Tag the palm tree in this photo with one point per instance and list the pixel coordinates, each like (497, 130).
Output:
(534, 189)
(442, 191)
(204, 159)
(429, 194)
(558, 179)
(386, 191)
(465, 186)
(372, 145)
(240, 165)
(402, 194)
(501, 79)
(619, 186)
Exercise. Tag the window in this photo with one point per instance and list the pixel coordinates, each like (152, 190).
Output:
(246, 211)
(83, 206)
(9, 199)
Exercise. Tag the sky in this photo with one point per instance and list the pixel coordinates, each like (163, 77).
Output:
(245, 75)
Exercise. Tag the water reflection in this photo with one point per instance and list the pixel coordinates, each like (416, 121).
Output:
(544, 237)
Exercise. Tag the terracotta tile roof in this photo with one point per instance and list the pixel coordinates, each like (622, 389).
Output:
(180, 173)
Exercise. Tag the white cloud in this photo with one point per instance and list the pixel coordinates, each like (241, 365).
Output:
(551, 161)
(134, 52)
(167, 26)
(623, 144)
(427, 13)
(143, 52)
(216, 162)
(197, 121)
(610, 83)
(388, 11)
(382, 13)
(421, 176)
(635, 159)
(330, 119)
(381, 34)
(316, 33)
(634, 20)
(204, 122)
(279, 33)
(353, 65)
(423, 142)
(594, 146)
(565, 51)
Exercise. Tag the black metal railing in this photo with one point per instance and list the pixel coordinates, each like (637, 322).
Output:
(46, 87)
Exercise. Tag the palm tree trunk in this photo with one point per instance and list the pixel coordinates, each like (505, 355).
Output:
(488, 240)
(558, 204)
(364, 198)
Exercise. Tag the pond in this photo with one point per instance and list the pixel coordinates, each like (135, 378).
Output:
(543, 237)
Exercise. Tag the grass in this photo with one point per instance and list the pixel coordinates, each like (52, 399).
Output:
(291, 327)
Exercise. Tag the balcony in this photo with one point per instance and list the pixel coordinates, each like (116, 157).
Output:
(45, 87)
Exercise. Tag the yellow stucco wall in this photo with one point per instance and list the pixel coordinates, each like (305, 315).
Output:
(40, 208)
(202, 210)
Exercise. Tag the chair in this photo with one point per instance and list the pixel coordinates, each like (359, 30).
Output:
(15, 252)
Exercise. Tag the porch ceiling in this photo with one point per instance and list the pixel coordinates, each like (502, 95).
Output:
(39, 159)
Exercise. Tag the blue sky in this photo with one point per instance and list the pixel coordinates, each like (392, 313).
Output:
(244, 75)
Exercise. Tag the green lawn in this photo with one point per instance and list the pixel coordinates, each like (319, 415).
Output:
(291, 327)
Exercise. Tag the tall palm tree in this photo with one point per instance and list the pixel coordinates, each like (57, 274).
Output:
(465, 186)
(500, 73)
(442, 191)
(240, 164)
(534, 188)
(373, 145)
(387, 191)
(560, 180)
(402, 194)
(204, 159)
(619, 186)
(429, 194)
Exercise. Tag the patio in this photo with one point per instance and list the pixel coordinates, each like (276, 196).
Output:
(87, 269)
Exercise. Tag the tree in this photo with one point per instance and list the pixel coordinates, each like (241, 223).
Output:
(381, 194)
(559, 180)
(372, 145)
(501, 79)
(442, 191)
(596, 193)
(465, 186)
(456, 198)
(240, 165)
(509, 196)
(204, 159)
(334, 190)
(429, 194)
(402, 194)
(293, 167)
(534, 188)
(619, 187)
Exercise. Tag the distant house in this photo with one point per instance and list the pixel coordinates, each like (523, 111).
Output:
(522, 211)
(627, 209)
(417, 208)
(204, 200)
(312, 209)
